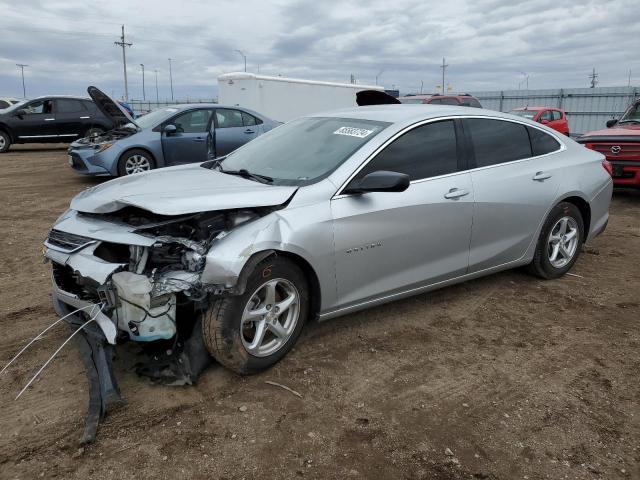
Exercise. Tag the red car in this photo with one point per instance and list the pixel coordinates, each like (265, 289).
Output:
(620, 143)
(461, 99)
(555, 118)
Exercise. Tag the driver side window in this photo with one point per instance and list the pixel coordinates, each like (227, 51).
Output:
(426, 151)
(195, 121)
(39, 106)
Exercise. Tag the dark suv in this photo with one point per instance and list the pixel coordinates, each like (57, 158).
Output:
(461, 99)
(51, 119)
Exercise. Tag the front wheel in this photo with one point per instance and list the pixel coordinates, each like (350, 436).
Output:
(5, 141)
(559, 243)
(249, 333)
(135, 161)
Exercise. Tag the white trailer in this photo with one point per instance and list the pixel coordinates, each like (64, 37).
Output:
(282, 98)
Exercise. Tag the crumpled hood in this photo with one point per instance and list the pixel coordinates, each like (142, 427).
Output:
(180, 190)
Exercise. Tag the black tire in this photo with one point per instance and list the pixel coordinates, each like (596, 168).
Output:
(541, 265)
(221, 324)
(131, 154)
(5, 141)
(94, 131)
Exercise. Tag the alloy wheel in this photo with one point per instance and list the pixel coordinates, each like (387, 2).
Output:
(563, 242)
(137, 164)
(270, 317)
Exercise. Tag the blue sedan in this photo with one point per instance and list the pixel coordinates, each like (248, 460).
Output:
(164, 137)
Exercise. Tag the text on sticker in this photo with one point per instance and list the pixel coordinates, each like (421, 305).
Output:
(353, 132)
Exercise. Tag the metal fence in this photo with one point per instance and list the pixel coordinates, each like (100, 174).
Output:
(587, 108)
(140, 107)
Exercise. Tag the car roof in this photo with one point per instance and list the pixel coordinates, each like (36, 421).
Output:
(407, 112)
(537, 108)
(71, 97)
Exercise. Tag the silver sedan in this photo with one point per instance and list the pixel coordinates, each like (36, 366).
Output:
(321, 217)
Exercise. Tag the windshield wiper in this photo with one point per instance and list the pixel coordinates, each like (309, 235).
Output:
(247, 174)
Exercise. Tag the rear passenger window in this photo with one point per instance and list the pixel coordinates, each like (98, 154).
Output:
(497, 141)
(249, 120)
(228, 118)
(69, 106)
(542, 142)
(423, 152)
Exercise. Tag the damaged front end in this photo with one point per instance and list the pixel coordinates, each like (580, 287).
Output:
(142, 274)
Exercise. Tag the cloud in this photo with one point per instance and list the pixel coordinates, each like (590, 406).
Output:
(69, 44)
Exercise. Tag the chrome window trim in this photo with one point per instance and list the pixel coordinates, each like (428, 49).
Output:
(408, 128)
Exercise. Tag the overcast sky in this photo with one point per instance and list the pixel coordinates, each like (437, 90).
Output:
(68, 44)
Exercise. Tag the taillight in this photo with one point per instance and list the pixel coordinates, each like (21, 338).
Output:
(607, 166)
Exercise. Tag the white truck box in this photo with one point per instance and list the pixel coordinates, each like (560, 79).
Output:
(283, 99)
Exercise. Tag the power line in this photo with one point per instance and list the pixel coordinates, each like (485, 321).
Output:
(21, 66)
(443, 67)
(124, 44)
(594, 78)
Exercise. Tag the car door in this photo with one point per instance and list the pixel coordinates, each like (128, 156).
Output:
(38, 122)
(386, 243)
(71, 116)
(230, 131)
(514, 184)
(188, 143)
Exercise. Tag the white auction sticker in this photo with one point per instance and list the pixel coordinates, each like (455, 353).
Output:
(353, 132)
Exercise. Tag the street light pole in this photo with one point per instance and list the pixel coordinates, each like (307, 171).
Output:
(379, 73)
(244, 57)
(144, 95)
(171, 79)
(157, 98)
(526, 79)
(22, 65)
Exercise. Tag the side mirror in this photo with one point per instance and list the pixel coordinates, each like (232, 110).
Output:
(170, 129)
(611, 123)
(380, 181)
(20, 113)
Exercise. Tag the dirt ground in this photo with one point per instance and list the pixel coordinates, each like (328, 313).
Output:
(505, 377)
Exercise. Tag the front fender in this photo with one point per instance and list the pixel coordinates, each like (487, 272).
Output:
(304, 231)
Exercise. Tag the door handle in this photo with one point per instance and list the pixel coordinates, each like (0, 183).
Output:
(49, 119)
(541, 176)
(455, 193)
(198, 139)
(249, 131)
(84, 118)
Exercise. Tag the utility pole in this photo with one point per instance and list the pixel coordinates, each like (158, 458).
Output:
(421, 85)
(124, 44)
(594, 78)
(244, 57)
(157, 98)
(629, 82)
(379, 73)
(526, 79)
(443, 67)
(144, 95)
(171, 79)
(352, 79)
(24, 91)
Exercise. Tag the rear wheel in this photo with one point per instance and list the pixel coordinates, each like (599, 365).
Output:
(5, 141)
(135, 161)
(559, 243)
(248, 333)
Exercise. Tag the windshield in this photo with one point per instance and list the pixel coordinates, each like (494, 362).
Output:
(155, 117)
(304, 150)
(524, 113)
(15, 106)
(632, 115)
